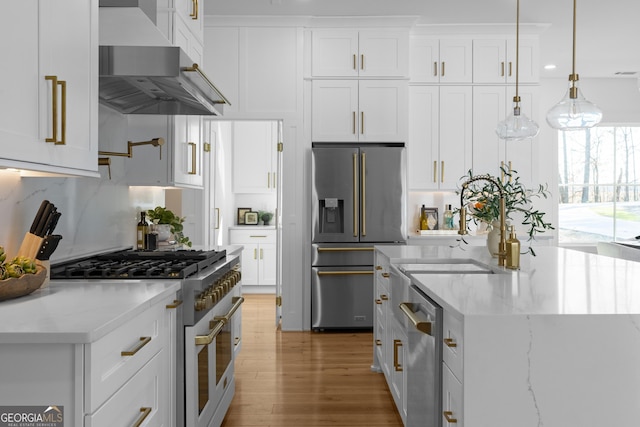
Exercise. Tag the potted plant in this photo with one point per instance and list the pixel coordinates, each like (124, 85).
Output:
(266, 217)
(483, 203)
(162, 215)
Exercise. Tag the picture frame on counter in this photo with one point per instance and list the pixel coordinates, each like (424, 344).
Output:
(241, 214)
(432, 218)
(251, 218)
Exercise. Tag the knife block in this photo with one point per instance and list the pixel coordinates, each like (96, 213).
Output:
(30, 246)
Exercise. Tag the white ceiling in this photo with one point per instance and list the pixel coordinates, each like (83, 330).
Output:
(608, 32)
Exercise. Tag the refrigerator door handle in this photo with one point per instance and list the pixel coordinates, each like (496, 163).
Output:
(355, 194)
(363, 209)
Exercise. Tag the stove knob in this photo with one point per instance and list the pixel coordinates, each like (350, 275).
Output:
(200, 304)
(210, 302)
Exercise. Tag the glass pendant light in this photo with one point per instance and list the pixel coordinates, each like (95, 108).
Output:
(517, 126)
(574, 111)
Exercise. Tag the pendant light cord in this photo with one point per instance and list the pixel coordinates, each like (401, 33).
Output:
(573, 93)
(517, 47)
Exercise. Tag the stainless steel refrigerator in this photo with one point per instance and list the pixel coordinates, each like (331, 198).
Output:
(358, 201)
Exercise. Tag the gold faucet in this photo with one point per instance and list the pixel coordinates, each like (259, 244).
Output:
(502, 246)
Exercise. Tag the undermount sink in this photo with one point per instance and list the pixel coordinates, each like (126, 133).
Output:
(446, 266)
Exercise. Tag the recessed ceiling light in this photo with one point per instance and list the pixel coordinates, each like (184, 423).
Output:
(550, 67)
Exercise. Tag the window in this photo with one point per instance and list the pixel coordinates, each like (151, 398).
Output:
(599, 184)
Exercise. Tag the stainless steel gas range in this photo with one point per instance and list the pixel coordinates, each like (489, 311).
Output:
(209, 329)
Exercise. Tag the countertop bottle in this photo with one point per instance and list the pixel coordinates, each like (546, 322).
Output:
(447, 218)
(513, 250)
(424, 224)
(141, 232)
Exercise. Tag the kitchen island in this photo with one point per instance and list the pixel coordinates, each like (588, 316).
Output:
(556, 343)
(101, 353)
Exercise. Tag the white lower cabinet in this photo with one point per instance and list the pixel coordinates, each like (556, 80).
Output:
(258, 255)
(451, 399)
(398, 375)
(452, 370)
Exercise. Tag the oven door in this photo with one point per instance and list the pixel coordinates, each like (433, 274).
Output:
(209, 363)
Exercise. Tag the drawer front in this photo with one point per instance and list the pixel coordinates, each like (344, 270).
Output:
(453, 345)
(252, 236)
(140, 399)
(452, 404)
(114, 359)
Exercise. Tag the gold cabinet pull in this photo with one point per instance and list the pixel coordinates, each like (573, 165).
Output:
(194, 12)
(255, 253)
(268, 179)
(378, 342)
(450, 342)
(421, 325)
(502, 69)
(143, 341)
(396, 364)
(54, 110)
(217, 227)
(378, 267)
(435, 68)
(261, 253)
(362, 61)
(510, 68)
(442, 69)
(363, 169)
(236, 341)
(353, 123)
(385, 275)
(145, 414)
(361, 122)
(442, 171)
(448, 415)
(256, 236)
(435, 171)
(215, 327)
(368, 249)
(378, 301)
(176, 303)
(355, 194)
(384, 297)
(343, 273)
(355, 67)
(193, 158)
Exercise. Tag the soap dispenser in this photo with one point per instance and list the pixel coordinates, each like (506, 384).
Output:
(513, 250)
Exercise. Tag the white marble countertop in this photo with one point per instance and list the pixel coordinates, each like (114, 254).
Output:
(555, 282)
(77, 311)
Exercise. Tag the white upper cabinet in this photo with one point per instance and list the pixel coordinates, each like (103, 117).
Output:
(436, 60)
(359, 110)
(49, 113)
(255, 161)
(494, 60)
(440, 136)
(359, 53)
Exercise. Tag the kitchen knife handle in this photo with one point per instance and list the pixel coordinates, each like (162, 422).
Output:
(39, 214)
(43, 220)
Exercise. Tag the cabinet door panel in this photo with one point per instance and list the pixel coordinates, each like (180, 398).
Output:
(267, 264)
(455, 134)
(250, 264)
(253, 151)
(520, 155)
(422, 146)
(424, 60)
(334, 111)
(383, 53)
(490, 62)
(452, 404)
(529, 61)
(383, 111)
(456, 58)
(334, 53)
(489, 108)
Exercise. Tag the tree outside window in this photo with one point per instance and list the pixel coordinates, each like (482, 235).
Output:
(599, 188)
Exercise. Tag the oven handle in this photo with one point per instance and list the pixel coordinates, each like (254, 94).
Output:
(237, 302)
(421, 325)
(215, 326)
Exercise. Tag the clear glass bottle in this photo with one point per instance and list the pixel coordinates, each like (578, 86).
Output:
(447, 218)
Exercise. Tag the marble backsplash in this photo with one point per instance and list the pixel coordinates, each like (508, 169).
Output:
(97, 214)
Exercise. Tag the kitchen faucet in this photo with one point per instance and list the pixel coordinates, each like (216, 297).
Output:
(502, 246)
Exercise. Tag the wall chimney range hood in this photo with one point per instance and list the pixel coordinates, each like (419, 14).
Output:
(140, 72)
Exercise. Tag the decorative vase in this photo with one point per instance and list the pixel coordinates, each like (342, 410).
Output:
(162, 230)
(493, 238)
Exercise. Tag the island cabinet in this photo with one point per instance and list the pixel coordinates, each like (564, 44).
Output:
(359, 110)
(341, 52)
(439, 148)
(381, 313)
(117, 368)
(49, 113)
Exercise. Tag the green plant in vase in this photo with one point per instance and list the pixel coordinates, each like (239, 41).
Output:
(162, 215)
(483, 203)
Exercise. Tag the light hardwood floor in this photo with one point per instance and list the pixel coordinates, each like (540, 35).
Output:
(305, 379)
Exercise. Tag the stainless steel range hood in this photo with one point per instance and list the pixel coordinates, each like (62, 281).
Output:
(141, 73)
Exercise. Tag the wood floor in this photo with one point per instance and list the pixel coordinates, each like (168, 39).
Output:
(305, 379)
